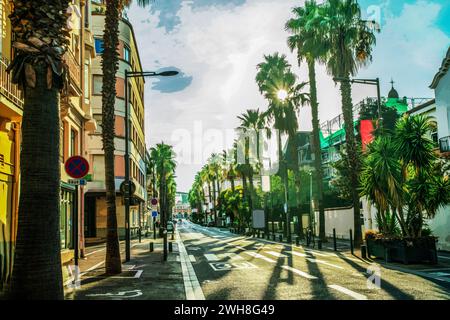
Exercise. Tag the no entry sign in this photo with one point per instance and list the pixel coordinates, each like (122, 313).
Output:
(77, 167)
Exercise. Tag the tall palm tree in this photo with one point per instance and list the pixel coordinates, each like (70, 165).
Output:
(165, 165)
(41, 73)
(310, 48)
(279, 86)
(348, 40)
(110, 65)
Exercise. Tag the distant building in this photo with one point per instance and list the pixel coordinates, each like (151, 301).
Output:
(182, 208)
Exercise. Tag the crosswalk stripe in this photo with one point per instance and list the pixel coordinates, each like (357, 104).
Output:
(298, 254)
(319, 253)
(299, 272)
(211, 257)
(348, 292)
(276, 254)
(192, 258)
(324, 262)
(259, 256)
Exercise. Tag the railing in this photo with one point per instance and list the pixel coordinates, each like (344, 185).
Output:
(444, 144)
(74, 69)
(7, 88)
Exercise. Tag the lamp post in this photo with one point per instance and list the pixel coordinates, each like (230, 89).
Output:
(128, 75)
(375, 82)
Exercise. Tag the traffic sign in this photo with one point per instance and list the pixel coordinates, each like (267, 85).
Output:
(154, 202)
(77, 167)
(77, 182)
(154, 214)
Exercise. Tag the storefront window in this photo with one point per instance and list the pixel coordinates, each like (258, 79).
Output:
(66, 216)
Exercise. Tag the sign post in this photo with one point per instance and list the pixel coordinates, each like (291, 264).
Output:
(77, 168)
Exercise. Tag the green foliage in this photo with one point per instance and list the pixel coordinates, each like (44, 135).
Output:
(235, 205)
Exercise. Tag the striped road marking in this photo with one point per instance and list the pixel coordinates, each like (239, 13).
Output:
(211, 257)
(324, 262)
(260, 256)
(276, 254)
(192, 258)
(298, 254)
(300, 273)
(348, 292)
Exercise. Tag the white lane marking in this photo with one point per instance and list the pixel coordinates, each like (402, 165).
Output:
(138, 274)
(324, 262)
(319, 253)
(298, 254)
(299, 272)
(441, 257)
(192, 258)
(88, 254)
(192, 287)
(348, 292)
(211, 257)
(232, 256)
(241, 248)
(260, 256)
(178, 259)
(276, 254)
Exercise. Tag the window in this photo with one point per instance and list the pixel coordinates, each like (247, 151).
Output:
(97, 84)
(87, 82)
(126, 53)
(98, 46)
(98, 120)
(61, 143)
(73, 143)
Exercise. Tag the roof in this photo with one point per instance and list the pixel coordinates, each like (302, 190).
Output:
(442, 71)
(393, 94)
(422, 106)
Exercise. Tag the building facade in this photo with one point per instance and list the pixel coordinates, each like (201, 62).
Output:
(95, 201)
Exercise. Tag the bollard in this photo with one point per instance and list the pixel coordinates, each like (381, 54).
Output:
(297, 241)
(319, 244)
(273, 237)
(172, 236)
(268, 236)
(364, 252)
(280, 238)
(170, 247)
(334, 240)
(151, 246)
(351, 241)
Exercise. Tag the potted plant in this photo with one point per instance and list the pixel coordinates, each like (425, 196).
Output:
(402, 177)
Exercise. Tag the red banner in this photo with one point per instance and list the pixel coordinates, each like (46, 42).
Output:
(366, 131)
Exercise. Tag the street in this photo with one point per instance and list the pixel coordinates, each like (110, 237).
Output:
(241, 268)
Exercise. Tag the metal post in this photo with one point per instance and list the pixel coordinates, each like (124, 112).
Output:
(351, 241)
(140, 230)
(380, 117)
(151, 246)
(127, 175)
(75, 224)
(154, 228)
(334, 239)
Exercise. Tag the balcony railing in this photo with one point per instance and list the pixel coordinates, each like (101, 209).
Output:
(74, 70)
(444, 144)
(7, 88)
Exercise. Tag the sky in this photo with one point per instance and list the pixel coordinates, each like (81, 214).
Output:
(216, 45)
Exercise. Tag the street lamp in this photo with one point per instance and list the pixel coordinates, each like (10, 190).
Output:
(282, 95)
(128, 75)
(375, 82)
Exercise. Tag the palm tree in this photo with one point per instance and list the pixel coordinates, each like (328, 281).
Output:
(165, 165)
(310, 48)
(110, 65)
(348, 41)
(279, 86)
(39, 70)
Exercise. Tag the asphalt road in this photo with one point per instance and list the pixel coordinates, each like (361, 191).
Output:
(231, 267)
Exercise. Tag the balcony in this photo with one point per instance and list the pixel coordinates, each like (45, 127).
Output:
(74, 73)
(7, 88)
(444, 144)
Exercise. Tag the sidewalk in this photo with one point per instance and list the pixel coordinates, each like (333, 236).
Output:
(145, 277)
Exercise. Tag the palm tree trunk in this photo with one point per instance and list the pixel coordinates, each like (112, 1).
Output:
(214, 201)
(296, 170)
(316, 147)
(37, 270)
(113, 262)
(284, 174)
(353, 162)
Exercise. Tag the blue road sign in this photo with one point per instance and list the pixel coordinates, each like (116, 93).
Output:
(154, 214)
